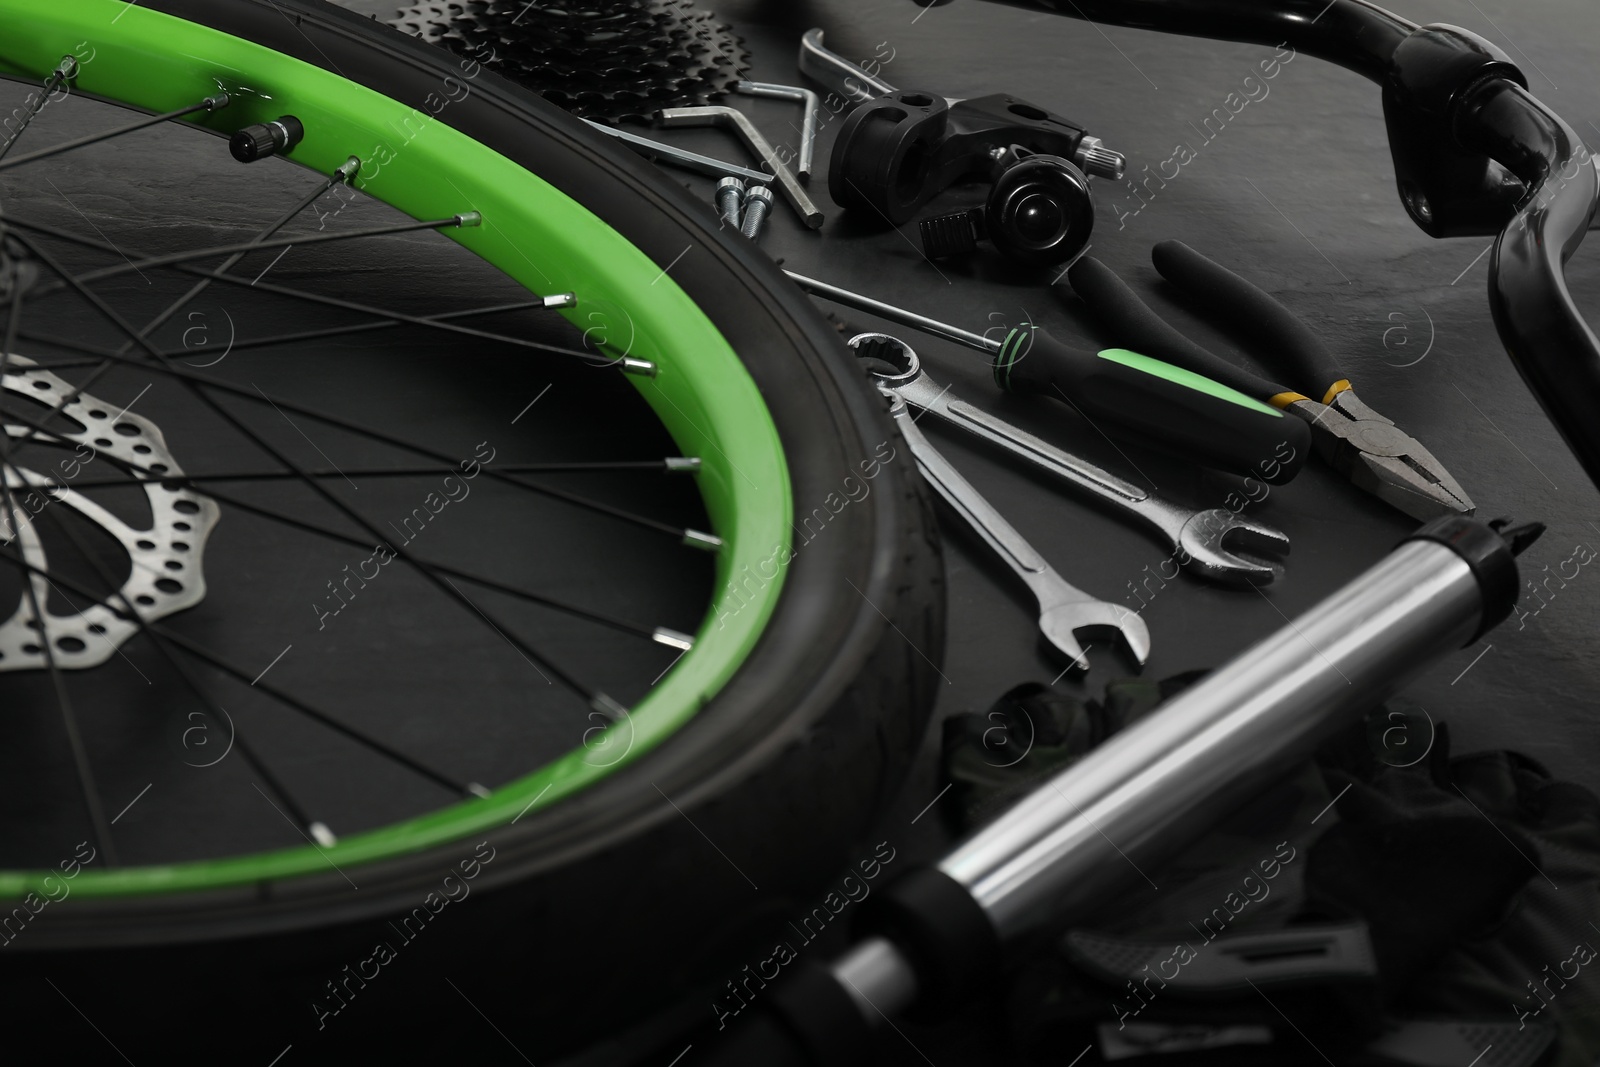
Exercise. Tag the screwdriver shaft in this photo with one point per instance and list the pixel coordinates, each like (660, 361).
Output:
(895, 314)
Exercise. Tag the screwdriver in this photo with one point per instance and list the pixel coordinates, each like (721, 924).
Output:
(1187, 413)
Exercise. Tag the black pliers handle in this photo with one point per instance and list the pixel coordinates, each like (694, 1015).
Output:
(1355, 440)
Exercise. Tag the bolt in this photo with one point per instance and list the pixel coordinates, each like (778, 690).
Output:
(757, 205)
(730, 197)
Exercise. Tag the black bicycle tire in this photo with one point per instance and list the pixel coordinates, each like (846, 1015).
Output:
(830, 705)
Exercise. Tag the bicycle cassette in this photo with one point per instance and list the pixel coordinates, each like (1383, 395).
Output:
(164, 573)
(610, 60)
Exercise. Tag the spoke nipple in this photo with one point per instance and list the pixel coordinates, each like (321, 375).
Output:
(266, 139)
(68, 67)
(349, 168)
(702, 540)
(642, 367)
(673, 639)
(688, 464)
(609, 708)
(218, 102)
(322, 835)
(561, 300)
(469, 218)
(478, 790)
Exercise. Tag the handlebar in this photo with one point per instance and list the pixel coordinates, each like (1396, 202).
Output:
(1475, 153)
(1353, 34)
(1552, 346)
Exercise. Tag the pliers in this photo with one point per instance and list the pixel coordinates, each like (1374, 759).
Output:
(1375, 454)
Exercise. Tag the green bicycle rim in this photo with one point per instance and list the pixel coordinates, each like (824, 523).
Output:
(416, 163)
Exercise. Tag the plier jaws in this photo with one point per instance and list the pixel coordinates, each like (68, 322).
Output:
(1380, 458)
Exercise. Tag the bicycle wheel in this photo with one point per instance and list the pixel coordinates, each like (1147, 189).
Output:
(765, 719)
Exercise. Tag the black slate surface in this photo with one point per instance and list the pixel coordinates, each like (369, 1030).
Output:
(1296, 192)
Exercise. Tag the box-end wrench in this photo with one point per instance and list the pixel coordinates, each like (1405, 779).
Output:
(740, 123)
(1197, 537)
(1064, 609)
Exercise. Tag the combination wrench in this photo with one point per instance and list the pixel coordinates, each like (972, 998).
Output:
(1197, 537)
(1064, 609)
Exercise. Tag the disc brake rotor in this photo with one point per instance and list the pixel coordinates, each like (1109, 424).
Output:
(166, 574)
(616, 60)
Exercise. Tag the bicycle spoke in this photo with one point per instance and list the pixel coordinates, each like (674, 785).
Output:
(69, 720)
(675, 463)
(560, 300)
(314, 827)
(67, 68)
(205, 655)
(627, 363)
(210, 103)
(660, 635)
(597, 699)
(457, 221)
(693, 538)
(342, 174)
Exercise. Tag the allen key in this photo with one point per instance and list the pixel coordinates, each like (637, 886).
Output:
(694, 161)
(732, 118)
(808, 117)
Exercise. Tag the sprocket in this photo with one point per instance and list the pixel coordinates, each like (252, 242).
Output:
(607, 60)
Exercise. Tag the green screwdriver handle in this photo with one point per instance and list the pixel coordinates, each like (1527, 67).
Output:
(1184, 412)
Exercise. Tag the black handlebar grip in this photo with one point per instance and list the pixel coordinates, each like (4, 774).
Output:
(1183, 411)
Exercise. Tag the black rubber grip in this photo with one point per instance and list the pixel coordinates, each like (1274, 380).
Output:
(1131, 323)
(944, 932)
(1283, 337)
(1165, 405)
(1492, 559)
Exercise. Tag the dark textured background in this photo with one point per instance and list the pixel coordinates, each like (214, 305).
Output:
(1297, 192)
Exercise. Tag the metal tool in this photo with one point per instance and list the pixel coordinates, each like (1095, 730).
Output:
(1197, 537)
(1356, 441)
(732, 118)
(757, 206)
(1064, 609)
(707, 165)
(838, 73)
(938, 935)
(1193, 416)
(808, 116)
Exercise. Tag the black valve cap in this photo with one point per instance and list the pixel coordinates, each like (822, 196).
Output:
(266, 139)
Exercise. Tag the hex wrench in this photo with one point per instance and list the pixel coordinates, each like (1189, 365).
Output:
(808, 116)
(707, 165)
(732, 118)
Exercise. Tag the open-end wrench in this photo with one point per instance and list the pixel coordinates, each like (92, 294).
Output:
(1064, 609)
(1197, 537)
